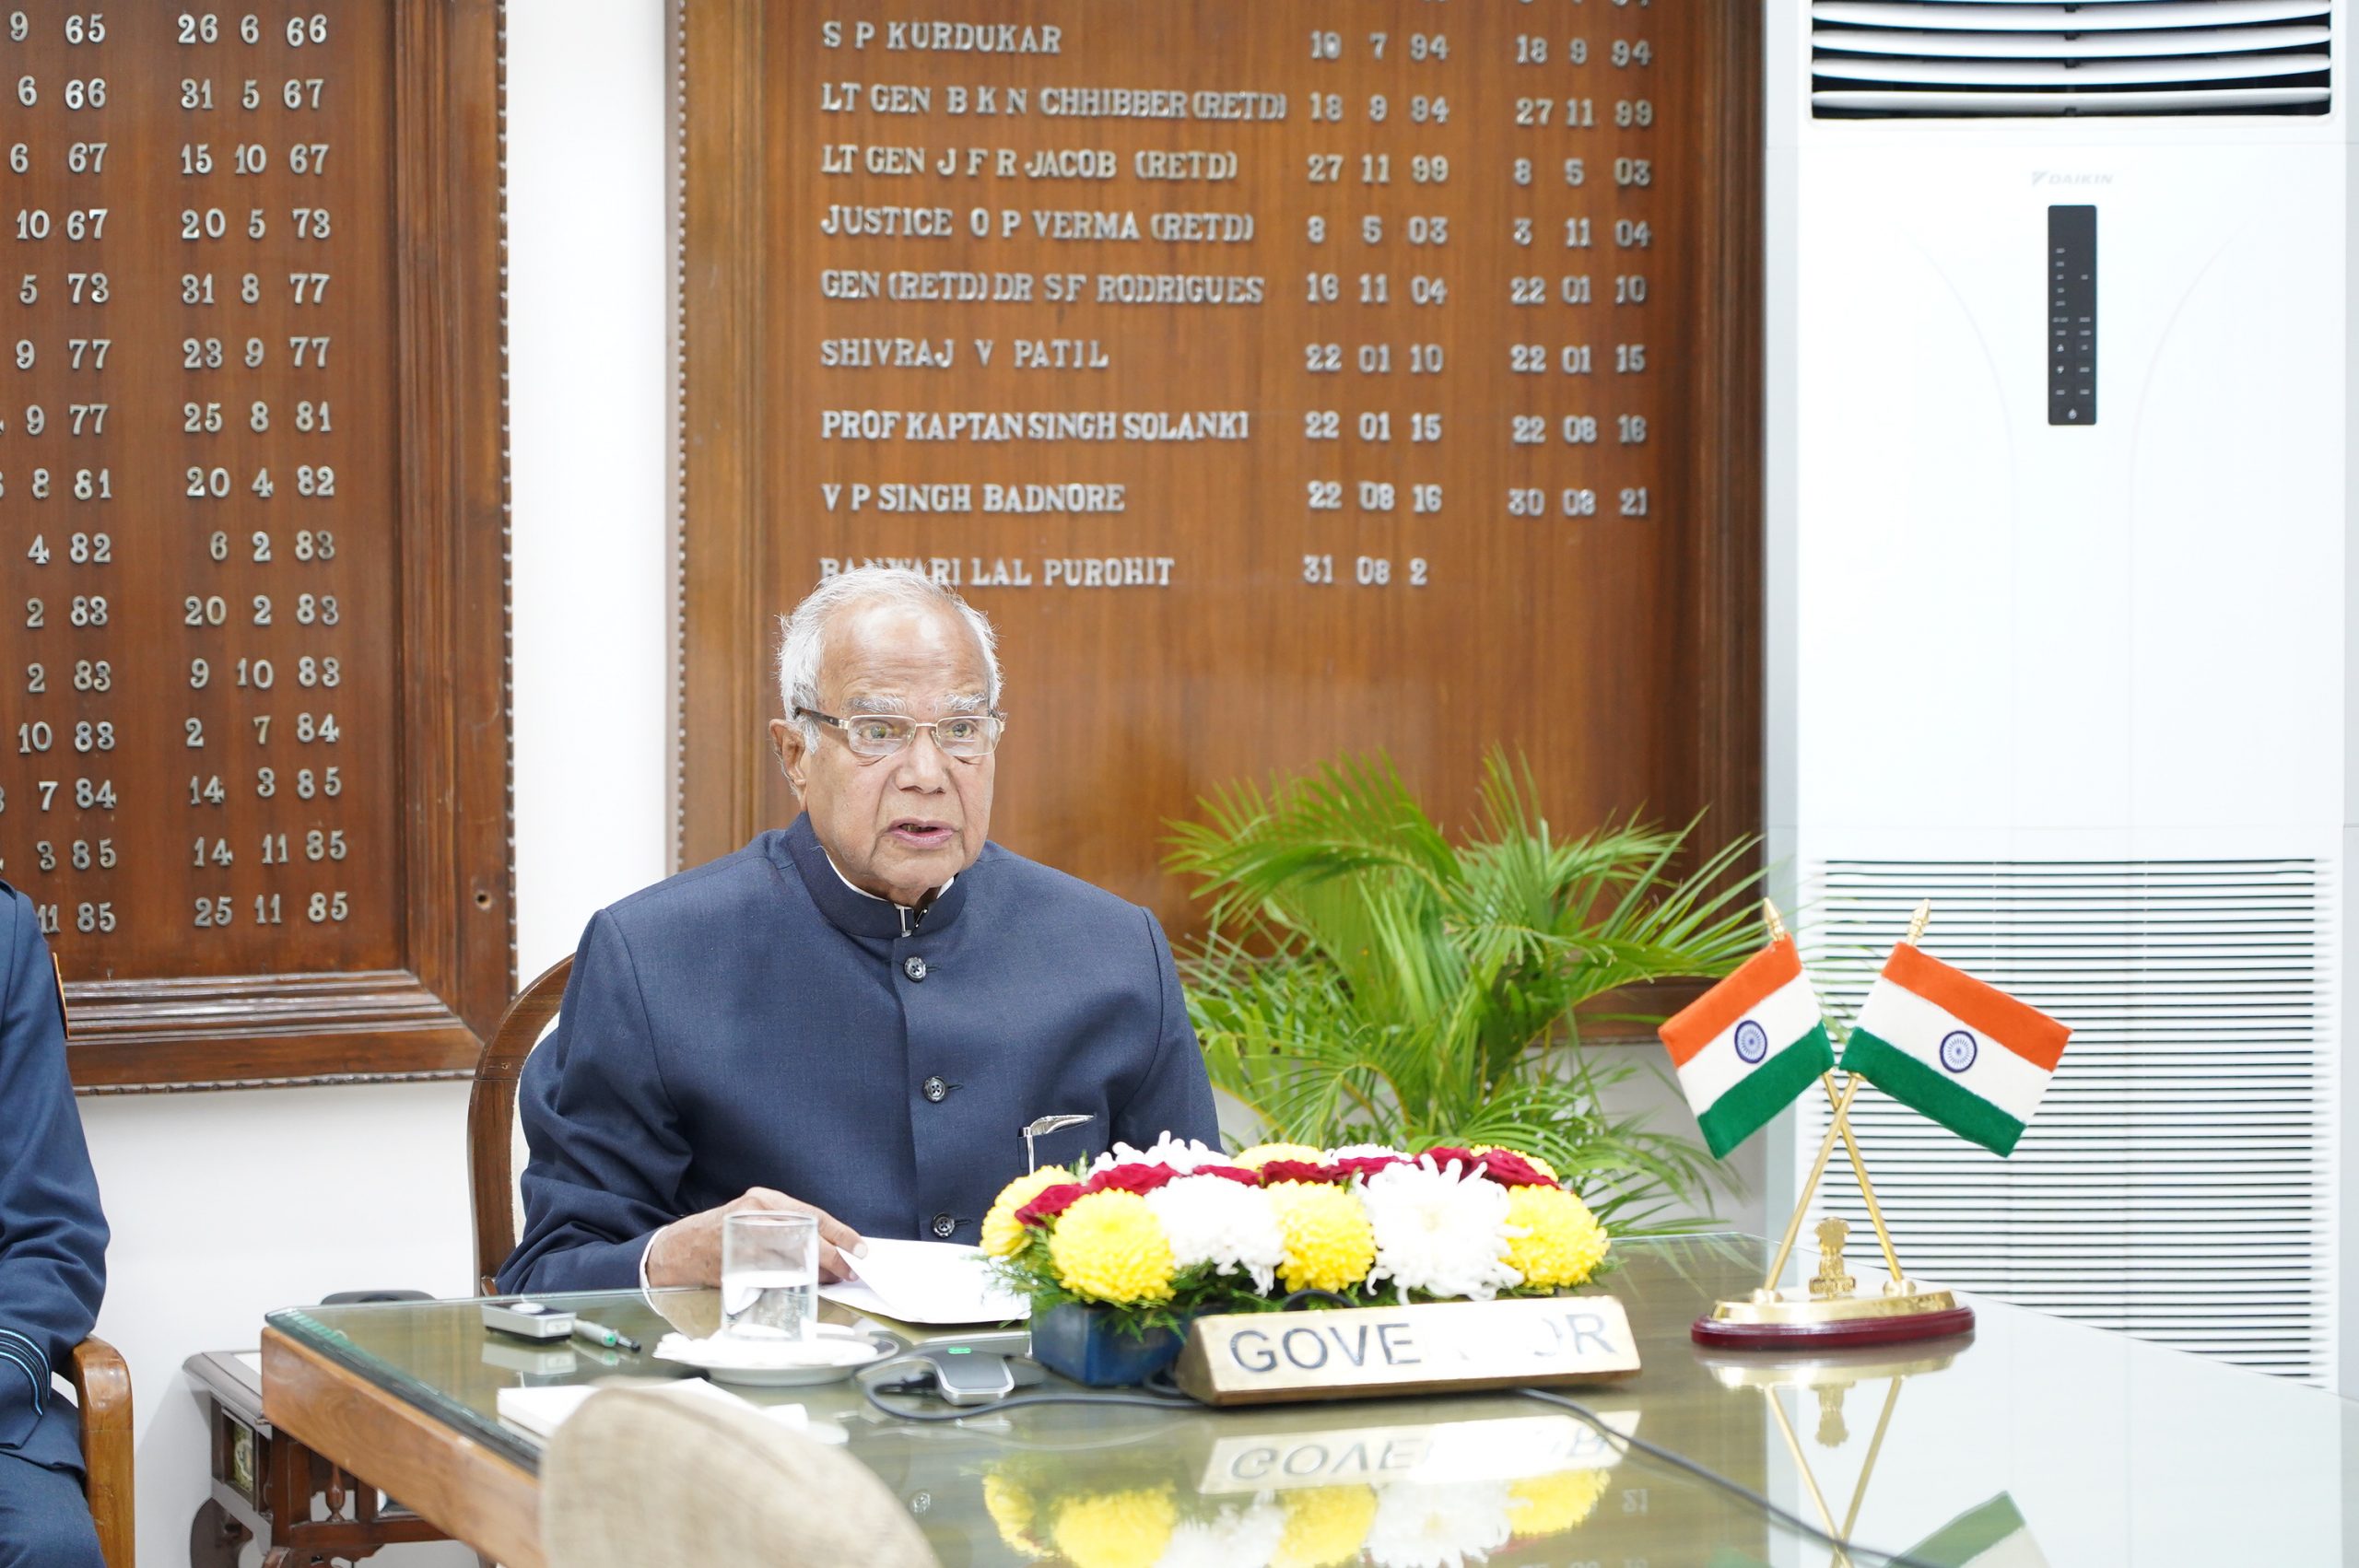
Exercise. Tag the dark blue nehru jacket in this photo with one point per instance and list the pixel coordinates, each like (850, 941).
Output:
(758, 1023)
(53, 1238)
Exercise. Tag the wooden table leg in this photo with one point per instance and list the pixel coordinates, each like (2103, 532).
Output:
(471, 1491)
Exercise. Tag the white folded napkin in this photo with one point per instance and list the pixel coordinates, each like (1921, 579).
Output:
(732, 1353)
(542, 1410)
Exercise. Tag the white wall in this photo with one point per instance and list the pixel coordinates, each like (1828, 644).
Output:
(366, 1185)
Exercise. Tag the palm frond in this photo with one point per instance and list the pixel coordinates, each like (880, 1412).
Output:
(1365, 979)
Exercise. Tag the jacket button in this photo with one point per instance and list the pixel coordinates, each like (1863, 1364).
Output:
(935, 1090)
(913, 967)
(943, 1224)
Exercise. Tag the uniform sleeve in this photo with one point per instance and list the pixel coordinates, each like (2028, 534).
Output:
(52, 1236)
(607, 1153)
(1175, 1097)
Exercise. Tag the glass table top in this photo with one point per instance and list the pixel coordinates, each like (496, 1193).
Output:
(2032, 1441)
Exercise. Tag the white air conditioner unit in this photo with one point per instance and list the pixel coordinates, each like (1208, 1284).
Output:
(2060, 622)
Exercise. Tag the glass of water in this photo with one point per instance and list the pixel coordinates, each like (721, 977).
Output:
(769, 1275)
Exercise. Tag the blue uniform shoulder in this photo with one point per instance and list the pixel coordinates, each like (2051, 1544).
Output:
(1034, 885)
(717, 890)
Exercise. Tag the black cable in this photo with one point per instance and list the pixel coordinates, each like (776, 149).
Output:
(1736, 1488)
(873, 1390)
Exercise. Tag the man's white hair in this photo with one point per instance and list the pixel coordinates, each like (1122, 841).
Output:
(802, 634)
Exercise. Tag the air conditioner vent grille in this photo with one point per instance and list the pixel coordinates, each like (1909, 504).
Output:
(1891, 59)
(2179, 1182)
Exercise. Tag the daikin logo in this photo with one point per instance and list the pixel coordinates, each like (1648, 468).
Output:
(2051, 177)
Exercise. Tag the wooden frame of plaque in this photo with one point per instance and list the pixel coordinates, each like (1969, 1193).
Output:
(446, 877)
(1621, 657)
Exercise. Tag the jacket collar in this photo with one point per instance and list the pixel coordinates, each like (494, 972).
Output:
(856, 913)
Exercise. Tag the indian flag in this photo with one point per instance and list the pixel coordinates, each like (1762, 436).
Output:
(1993, 1536)
(1969, 1054)
(1748, 1046)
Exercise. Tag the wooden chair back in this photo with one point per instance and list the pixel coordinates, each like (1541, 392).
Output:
(102, 1388)
(493, 1162)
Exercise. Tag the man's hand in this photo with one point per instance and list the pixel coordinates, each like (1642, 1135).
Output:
(687, 1252)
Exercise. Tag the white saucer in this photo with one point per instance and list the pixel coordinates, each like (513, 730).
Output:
(754, 1364)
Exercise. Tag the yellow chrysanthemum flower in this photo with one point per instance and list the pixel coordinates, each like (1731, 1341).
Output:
(1329, 1242)
(1001, 1234)
(1562, 1242)
(1109, 1247)
(1548, 1505)
(1261, 1154)
(1116, 1529)
(1535, 1161)
(1010, 1507)
(1325, 1525)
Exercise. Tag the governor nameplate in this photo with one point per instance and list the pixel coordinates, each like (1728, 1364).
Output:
(1357, 1352)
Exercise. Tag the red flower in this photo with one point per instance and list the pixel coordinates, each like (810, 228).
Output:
(1511, 1169)
(1052, 1202)
(1141, 1179)
(1277, 1171)
(1231, 1173)
(1443, 1155)
(1366, 1164)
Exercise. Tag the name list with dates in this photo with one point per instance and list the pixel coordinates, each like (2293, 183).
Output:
(201, 473)
(1286, 379)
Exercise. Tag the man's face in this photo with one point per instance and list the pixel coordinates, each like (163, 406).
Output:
(899, 825)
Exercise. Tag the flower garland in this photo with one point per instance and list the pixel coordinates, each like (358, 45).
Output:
(1178, 1229)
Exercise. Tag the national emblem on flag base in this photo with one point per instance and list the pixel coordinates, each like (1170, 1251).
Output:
(1935, 1038)
(1895, 1317)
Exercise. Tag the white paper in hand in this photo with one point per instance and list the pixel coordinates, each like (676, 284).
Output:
(927, 1281)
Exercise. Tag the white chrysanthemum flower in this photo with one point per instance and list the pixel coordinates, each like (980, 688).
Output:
(1442, 1232)
(1223, 1222)
(1367, 1151)
(1252, 1534)
(1183, 1154)
(1439, 1526)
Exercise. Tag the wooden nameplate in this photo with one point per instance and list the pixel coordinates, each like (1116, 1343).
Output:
(1435, 1347)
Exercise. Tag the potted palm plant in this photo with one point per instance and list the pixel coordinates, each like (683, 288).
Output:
(1367, 980)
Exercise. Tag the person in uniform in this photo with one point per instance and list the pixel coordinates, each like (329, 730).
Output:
(858, 1015)
(52, 1259)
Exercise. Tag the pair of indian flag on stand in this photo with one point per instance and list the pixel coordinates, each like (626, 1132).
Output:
(1934, 1037)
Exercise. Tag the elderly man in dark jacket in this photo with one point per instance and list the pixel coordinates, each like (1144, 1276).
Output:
(52, 1259)
(858, 1015)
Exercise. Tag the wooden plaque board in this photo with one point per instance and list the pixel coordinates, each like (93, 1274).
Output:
(252, 532)
(1285, 380)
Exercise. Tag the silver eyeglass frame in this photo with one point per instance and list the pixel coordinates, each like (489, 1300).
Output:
(932, 729)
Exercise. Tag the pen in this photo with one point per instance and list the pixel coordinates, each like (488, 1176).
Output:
(598, 1334)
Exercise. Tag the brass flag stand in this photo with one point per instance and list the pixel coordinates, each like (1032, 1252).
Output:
(1833, 1315)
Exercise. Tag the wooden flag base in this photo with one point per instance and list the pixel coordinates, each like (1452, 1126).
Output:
(1844, 1323)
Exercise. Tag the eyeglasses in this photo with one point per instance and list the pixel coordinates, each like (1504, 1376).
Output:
(968, 736)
